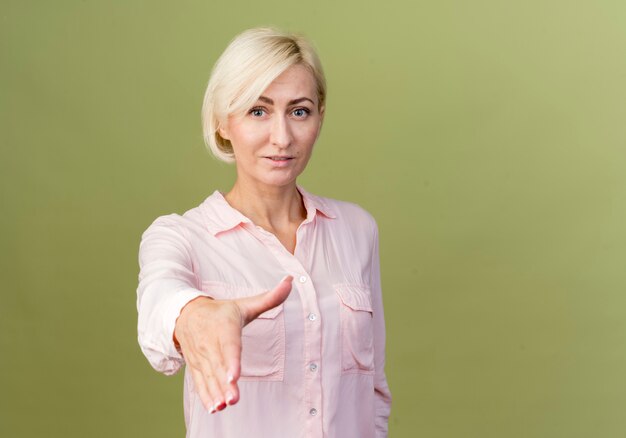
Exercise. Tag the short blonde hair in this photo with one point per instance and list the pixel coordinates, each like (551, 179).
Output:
(250, 63)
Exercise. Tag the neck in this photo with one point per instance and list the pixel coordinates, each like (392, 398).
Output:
(270, 207)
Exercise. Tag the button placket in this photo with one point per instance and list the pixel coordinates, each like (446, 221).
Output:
(312, 330)
(312, 353)
(304, 286)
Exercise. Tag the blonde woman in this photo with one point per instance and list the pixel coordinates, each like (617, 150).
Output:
(268, 294)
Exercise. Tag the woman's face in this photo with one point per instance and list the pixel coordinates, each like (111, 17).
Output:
(273, 140)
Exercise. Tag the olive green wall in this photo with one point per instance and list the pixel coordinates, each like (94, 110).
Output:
(487, 137)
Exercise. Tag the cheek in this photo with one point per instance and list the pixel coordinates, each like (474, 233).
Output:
(308, 137)
(248, 139)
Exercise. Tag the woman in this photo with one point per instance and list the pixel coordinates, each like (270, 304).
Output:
(277, 357)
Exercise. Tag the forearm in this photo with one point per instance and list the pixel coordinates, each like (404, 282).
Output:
(167, 283)
(381, 388)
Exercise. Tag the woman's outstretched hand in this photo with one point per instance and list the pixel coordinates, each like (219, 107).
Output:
(209, 334)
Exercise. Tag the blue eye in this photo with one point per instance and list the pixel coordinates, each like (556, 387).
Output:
(257, 112)
(301, 112)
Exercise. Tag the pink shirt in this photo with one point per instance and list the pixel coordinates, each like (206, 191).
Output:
(313, 366)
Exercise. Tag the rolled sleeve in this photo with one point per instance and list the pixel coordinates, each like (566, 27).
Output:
(167, 282)
(381, 388)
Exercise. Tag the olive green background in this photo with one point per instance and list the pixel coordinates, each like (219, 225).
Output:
(487, 137)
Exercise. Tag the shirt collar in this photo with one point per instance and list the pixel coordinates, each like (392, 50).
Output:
(314, 204)
(220, 216)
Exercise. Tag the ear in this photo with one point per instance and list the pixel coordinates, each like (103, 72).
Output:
(322, 110)
(319, 128)
(222, 130)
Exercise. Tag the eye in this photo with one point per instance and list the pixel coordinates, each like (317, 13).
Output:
(301, 112)
(257, 112)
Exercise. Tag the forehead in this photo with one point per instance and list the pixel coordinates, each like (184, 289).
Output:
(297, 81)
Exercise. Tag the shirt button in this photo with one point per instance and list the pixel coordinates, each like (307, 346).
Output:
(302, 279)
(312, 367)
(313, 412)
(312, 316)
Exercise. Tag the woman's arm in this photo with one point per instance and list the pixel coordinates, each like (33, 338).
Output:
(173, 311)
(166, 284)
(383, 395)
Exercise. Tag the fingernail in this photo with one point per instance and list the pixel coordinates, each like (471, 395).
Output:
(212, 410)
(229, 397)
(287, 277)
(229, 378)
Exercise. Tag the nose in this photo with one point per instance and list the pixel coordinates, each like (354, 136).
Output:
(280, 134)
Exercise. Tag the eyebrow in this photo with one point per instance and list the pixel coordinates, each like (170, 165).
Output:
(291, 102)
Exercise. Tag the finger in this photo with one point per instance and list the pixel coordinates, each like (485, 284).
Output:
(230, 345)
(216, 393)
(202, 389)
(252, 307)
(221, 387)
(203, 372)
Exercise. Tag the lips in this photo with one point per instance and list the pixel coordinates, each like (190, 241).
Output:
(279, 161)
(279, 158)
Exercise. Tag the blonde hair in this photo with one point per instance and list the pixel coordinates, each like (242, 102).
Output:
(250, 63)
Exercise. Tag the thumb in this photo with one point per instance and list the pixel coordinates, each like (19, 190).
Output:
(252, 307)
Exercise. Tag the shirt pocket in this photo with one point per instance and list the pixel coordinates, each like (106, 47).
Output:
(262, 340)
(357, 330)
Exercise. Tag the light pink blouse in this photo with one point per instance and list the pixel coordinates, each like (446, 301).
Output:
(312, 367)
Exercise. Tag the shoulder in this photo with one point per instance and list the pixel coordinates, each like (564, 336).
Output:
(351, 211)
(347, 214)
(178, 223)
(353, 231)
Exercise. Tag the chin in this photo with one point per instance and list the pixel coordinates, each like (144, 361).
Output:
(278, 180)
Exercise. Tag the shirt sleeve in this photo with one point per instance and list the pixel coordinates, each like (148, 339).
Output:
(166, 283)
(382, 393)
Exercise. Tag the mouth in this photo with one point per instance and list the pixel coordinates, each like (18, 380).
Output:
(279, 158)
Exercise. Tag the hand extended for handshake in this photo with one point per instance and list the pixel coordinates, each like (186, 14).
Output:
(209, 334)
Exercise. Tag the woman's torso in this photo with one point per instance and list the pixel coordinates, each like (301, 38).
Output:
(307, 365)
